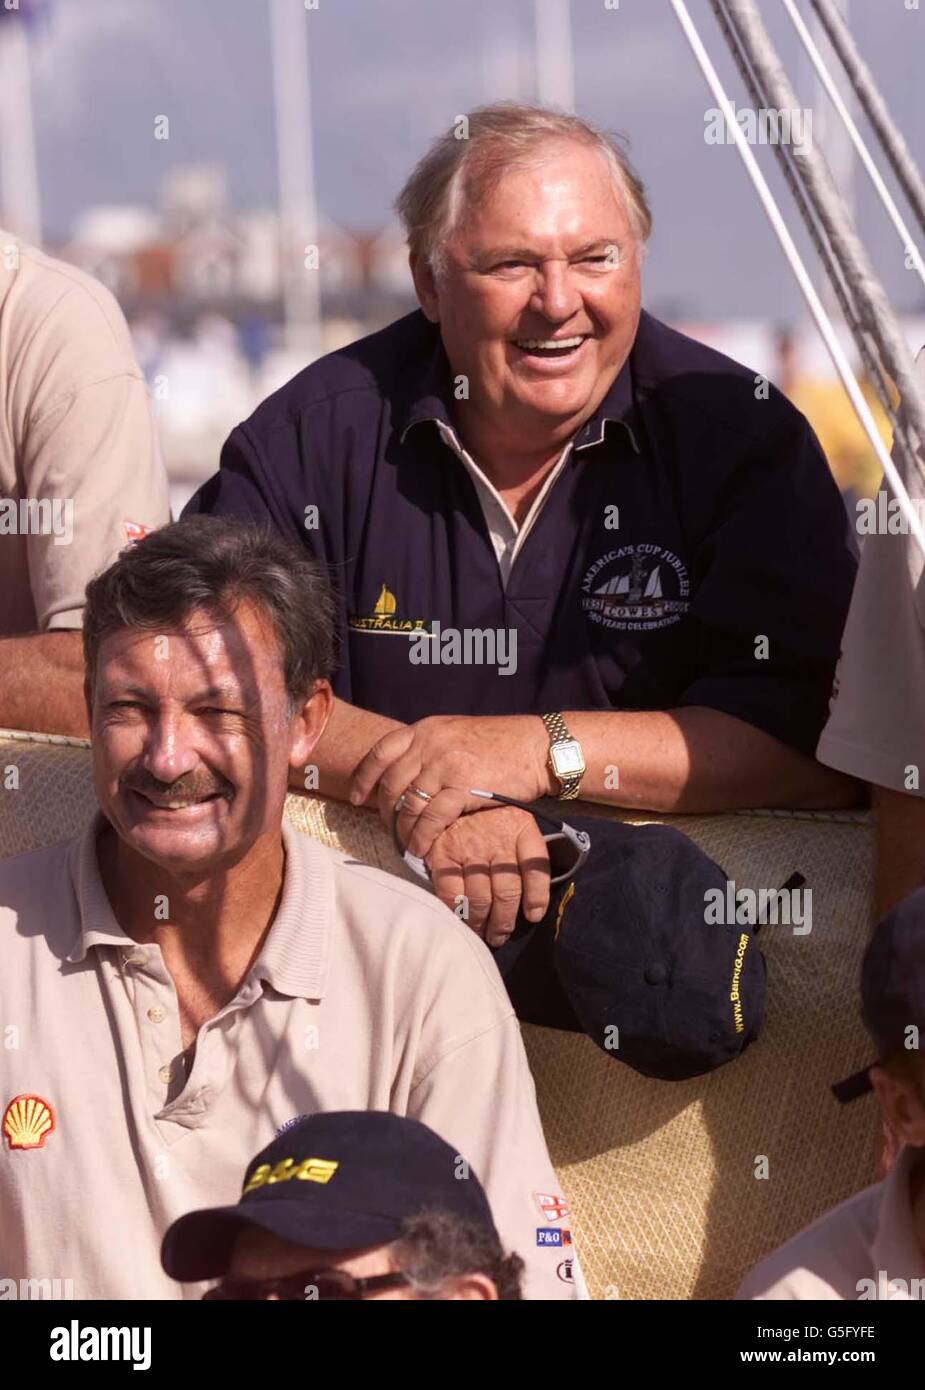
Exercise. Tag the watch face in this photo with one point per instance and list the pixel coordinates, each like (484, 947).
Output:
(567, 759)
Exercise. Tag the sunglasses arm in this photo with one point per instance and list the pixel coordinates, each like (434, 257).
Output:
(580, 840)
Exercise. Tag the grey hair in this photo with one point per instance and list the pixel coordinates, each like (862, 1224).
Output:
(437, 1246)
(472, 156)
(214, 563)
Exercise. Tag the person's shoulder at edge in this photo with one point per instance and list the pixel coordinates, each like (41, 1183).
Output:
(376, 366)
(69, 304)
(404, 908)
(36, 890)
(671, 368)
(824, 1260)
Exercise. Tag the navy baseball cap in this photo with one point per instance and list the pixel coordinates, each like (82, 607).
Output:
(337, 1181)
(628, 954)
(892, 987)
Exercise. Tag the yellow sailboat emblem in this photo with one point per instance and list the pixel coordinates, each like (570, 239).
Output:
(386, 604)
(384, 617)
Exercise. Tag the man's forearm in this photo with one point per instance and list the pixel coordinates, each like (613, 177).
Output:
(348, 737)
(697, 760)
(41, 683)
(900, 848)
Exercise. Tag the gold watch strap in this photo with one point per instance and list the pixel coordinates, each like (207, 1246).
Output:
(559, 732)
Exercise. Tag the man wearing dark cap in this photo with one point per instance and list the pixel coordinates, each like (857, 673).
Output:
(349, 1205)
(873, 1245)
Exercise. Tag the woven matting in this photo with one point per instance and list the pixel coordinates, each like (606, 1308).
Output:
(660, 1176)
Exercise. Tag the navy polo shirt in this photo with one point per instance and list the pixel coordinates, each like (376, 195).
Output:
(693, 551)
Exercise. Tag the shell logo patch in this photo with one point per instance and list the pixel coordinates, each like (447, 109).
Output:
(27, 1122)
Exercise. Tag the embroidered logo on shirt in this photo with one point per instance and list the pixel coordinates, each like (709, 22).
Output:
(383, 617)
(134, 530)
(27, 1122)
(554, 1235)
(636, 589)
(288, 1124)
(552, 1206)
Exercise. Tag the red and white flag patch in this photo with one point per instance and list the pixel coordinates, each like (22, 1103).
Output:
(552, 1206)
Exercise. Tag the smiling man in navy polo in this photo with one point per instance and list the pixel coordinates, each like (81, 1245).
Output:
(576, 553)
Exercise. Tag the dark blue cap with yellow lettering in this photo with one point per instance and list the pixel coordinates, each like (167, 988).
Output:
(337, 1181)
(647, 950)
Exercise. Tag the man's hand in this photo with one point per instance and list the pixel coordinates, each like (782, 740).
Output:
(492, 863)
(445, 756)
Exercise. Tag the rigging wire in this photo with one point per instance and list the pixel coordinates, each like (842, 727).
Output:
(873, 173)
(844, 291)
(867, 92)
(805, 283)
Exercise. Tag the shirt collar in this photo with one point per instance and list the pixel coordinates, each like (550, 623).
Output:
(432, 385)
(97, 925)
(895, 1249)
(294, 957)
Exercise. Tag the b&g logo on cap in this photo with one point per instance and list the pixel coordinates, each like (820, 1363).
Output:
(308, 1170)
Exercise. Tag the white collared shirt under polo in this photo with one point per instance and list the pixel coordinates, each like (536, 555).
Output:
(507, 538)
(864, 1249)
(367, 994)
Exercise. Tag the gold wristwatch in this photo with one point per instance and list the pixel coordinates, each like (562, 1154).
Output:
(565, 756)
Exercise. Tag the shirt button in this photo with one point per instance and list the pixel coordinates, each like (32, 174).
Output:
(157, 1014)
(133, 958)
(166, 1074)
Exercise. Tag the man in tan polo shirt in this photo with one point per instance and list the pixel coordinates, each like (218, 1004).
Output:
(873, 1245)
(191, 972)
(80, 474)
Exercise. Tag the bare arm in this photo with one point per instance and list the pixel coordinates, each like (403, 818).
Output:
(900, 847)
(684, 761)
(696, 760)
(41, 683)
(348, 737)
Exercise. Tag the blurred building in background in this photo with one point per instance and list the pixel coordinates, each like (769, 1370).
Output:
(200, 283)
(201, 278)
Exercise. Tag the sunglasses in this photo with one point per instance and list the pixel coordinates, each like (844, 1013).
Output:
(325, 1284)
(568, 848)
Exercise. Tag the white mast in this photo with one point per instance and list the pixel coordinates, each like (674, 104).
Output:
(19, 180)
(289, 21)
(555, 70)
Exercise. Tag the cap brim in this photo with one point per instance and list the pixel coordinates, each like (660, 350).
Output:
(199, 1245)
(853, 1087)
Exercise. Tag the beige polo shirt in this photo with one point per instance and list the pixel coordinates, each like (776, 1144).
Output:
(367, 994)
(80, 468)
(864, 1249)
(876, 724)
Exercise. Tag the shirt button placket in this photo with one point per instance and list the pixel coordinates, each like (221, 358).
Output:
(159, 1048)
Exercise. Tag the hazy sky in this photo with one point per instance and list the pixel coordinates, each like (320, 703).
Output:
(387, 75)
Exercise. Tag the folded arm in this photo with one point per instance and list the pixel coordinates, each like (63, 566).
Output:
(41, 683)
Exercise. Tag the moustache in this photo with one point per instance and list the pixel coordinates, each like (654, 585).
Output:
(183, 789)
